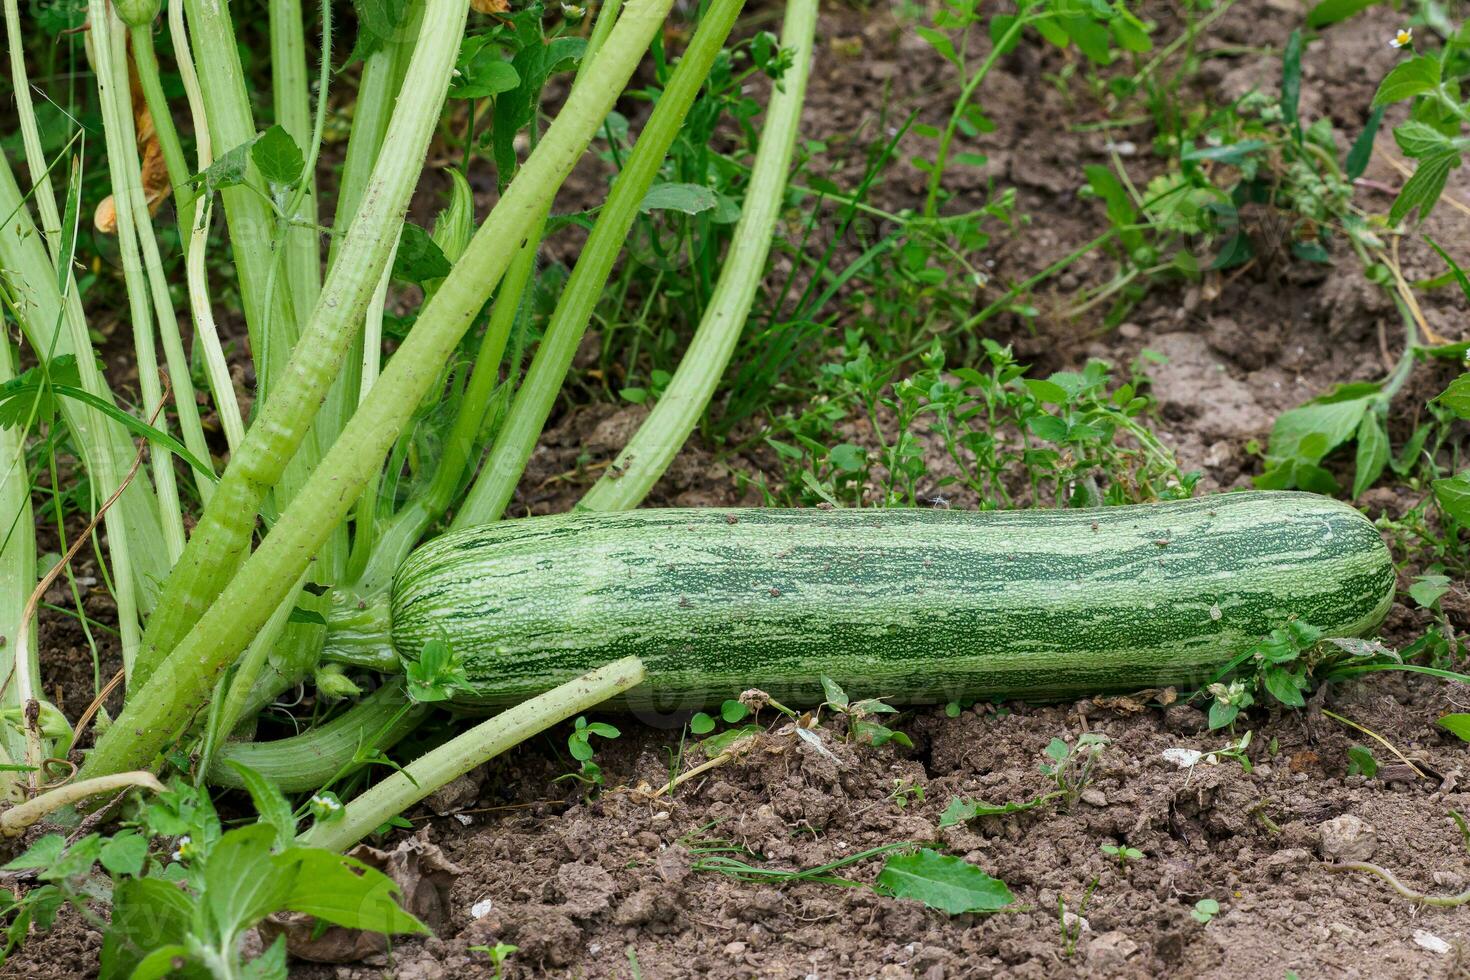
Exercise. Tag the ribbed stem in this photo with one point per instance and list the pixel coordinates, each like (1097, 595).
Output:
(653, 447)
(308, 761)
(517, 438)
(459, 755)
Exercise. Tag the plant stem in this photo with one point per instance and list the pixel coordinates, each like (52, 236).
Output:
(517, 438)
(18, 819)
(182, 682)
(941, 158)
(145, 61)
(635, 470)
(308, 761)
(459, 755)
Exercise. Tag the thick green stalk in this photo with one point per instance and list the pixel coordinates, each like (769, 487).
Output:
(223, 535)
(638, 467)
(308, 761)
(182, 682)
(459, 755)
(514, 443)
(47, 298)
(17, 580)
(290, 91)
(109, 54)
(270, 315)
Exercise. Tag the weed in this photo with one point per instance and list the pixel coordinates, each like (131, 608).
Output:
(1070, 766)
(498, 954)
(859, 713)
(1071, 923)
(1361, 762)
(579, 744)
(1123, 853)
(906, 792)
(1204, 910)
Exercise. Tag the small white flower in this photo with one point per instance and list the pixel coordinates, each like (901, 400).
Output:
(1403, 39)
(185, 850)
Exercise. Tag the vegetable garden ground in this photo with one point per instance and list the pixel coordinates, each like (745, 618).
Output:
(610, 880)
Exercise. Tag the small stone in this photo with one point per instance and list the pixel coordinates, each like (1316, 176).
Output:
(735, 950)
(481, 908)
(1431, 942)
(1348, 839)
(1108, 952)
(1286, 858)
(1094, 797)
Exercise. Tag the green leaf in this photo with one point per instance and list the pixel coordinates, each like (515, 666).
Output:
(1426, 590)
(1417, 139)
(942, 882)
(1232, 153)
(1372, 453)
(1422, 190)
(1282, 685)
(277, 156)
(1311, 431)
(377, 22)
(270, 965)
(1360, 759)
(1459, 274)
(1329, 12)
(148, 915)
(1453, 496)
(1408, 79)
(834, 694)
(685, 198)
(1456, 724)
(733, 711)
(1362, 149)
(1291, 80)
(1456, 397)
(482, 70)
(241, 886)
(419, 259)
(963, 811)
(227, 170)
(345, 892)
(269, 802)
(848, 458)
(701, 724)
(124, 854)
(42, 854)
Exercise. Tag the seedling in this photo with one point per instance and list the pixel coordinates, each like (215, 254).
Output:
(858, 713)
(498, 954)
(1073, 932)
(1361, 762)
(1071, 766)
(1204, 910)
(906, 792)
(1123, 853)
(579, 744)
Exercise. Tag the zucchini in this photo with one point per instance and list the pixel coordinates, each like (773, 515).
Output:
(918, 606)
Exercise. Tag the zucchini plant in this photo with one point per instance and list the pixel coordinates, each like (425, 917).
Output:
(348, 458)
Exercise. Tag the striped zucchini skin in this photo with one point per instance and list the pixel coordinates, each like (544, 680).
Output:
(918, 606)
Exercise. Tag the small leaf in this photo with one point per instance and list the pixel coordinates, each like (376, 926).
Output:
(1422, 190)
(1456, 397)
(124, 854)
(269, 802)
(686, 198)
(1362, 149)
(1453, 496)
(419, 259)
(1427, 590)
(277, 156)
(1361, 758)
(1457, 724)
(834, 694)
(228, 169)
(733, 711)
(1329, 12)
(942, 882)
(1408, 79)
(701, 724)
(1282, 685)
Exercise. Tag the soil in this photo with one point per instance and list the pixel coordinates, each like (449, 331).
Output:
(610, 885)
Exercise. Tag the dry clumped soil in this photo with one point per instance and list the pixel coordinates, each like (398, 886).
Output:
(585, 885)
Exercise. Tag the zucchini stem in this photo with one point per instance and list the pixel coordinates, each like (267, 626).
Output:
(459, 755)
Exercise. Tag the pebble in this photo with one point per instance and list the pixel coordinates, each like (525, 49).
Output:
(1094, 797)
(1431, 942)
(1348, 839)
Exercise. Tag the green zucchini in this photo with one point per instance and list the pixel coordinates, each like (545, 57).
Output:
(917, 606)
